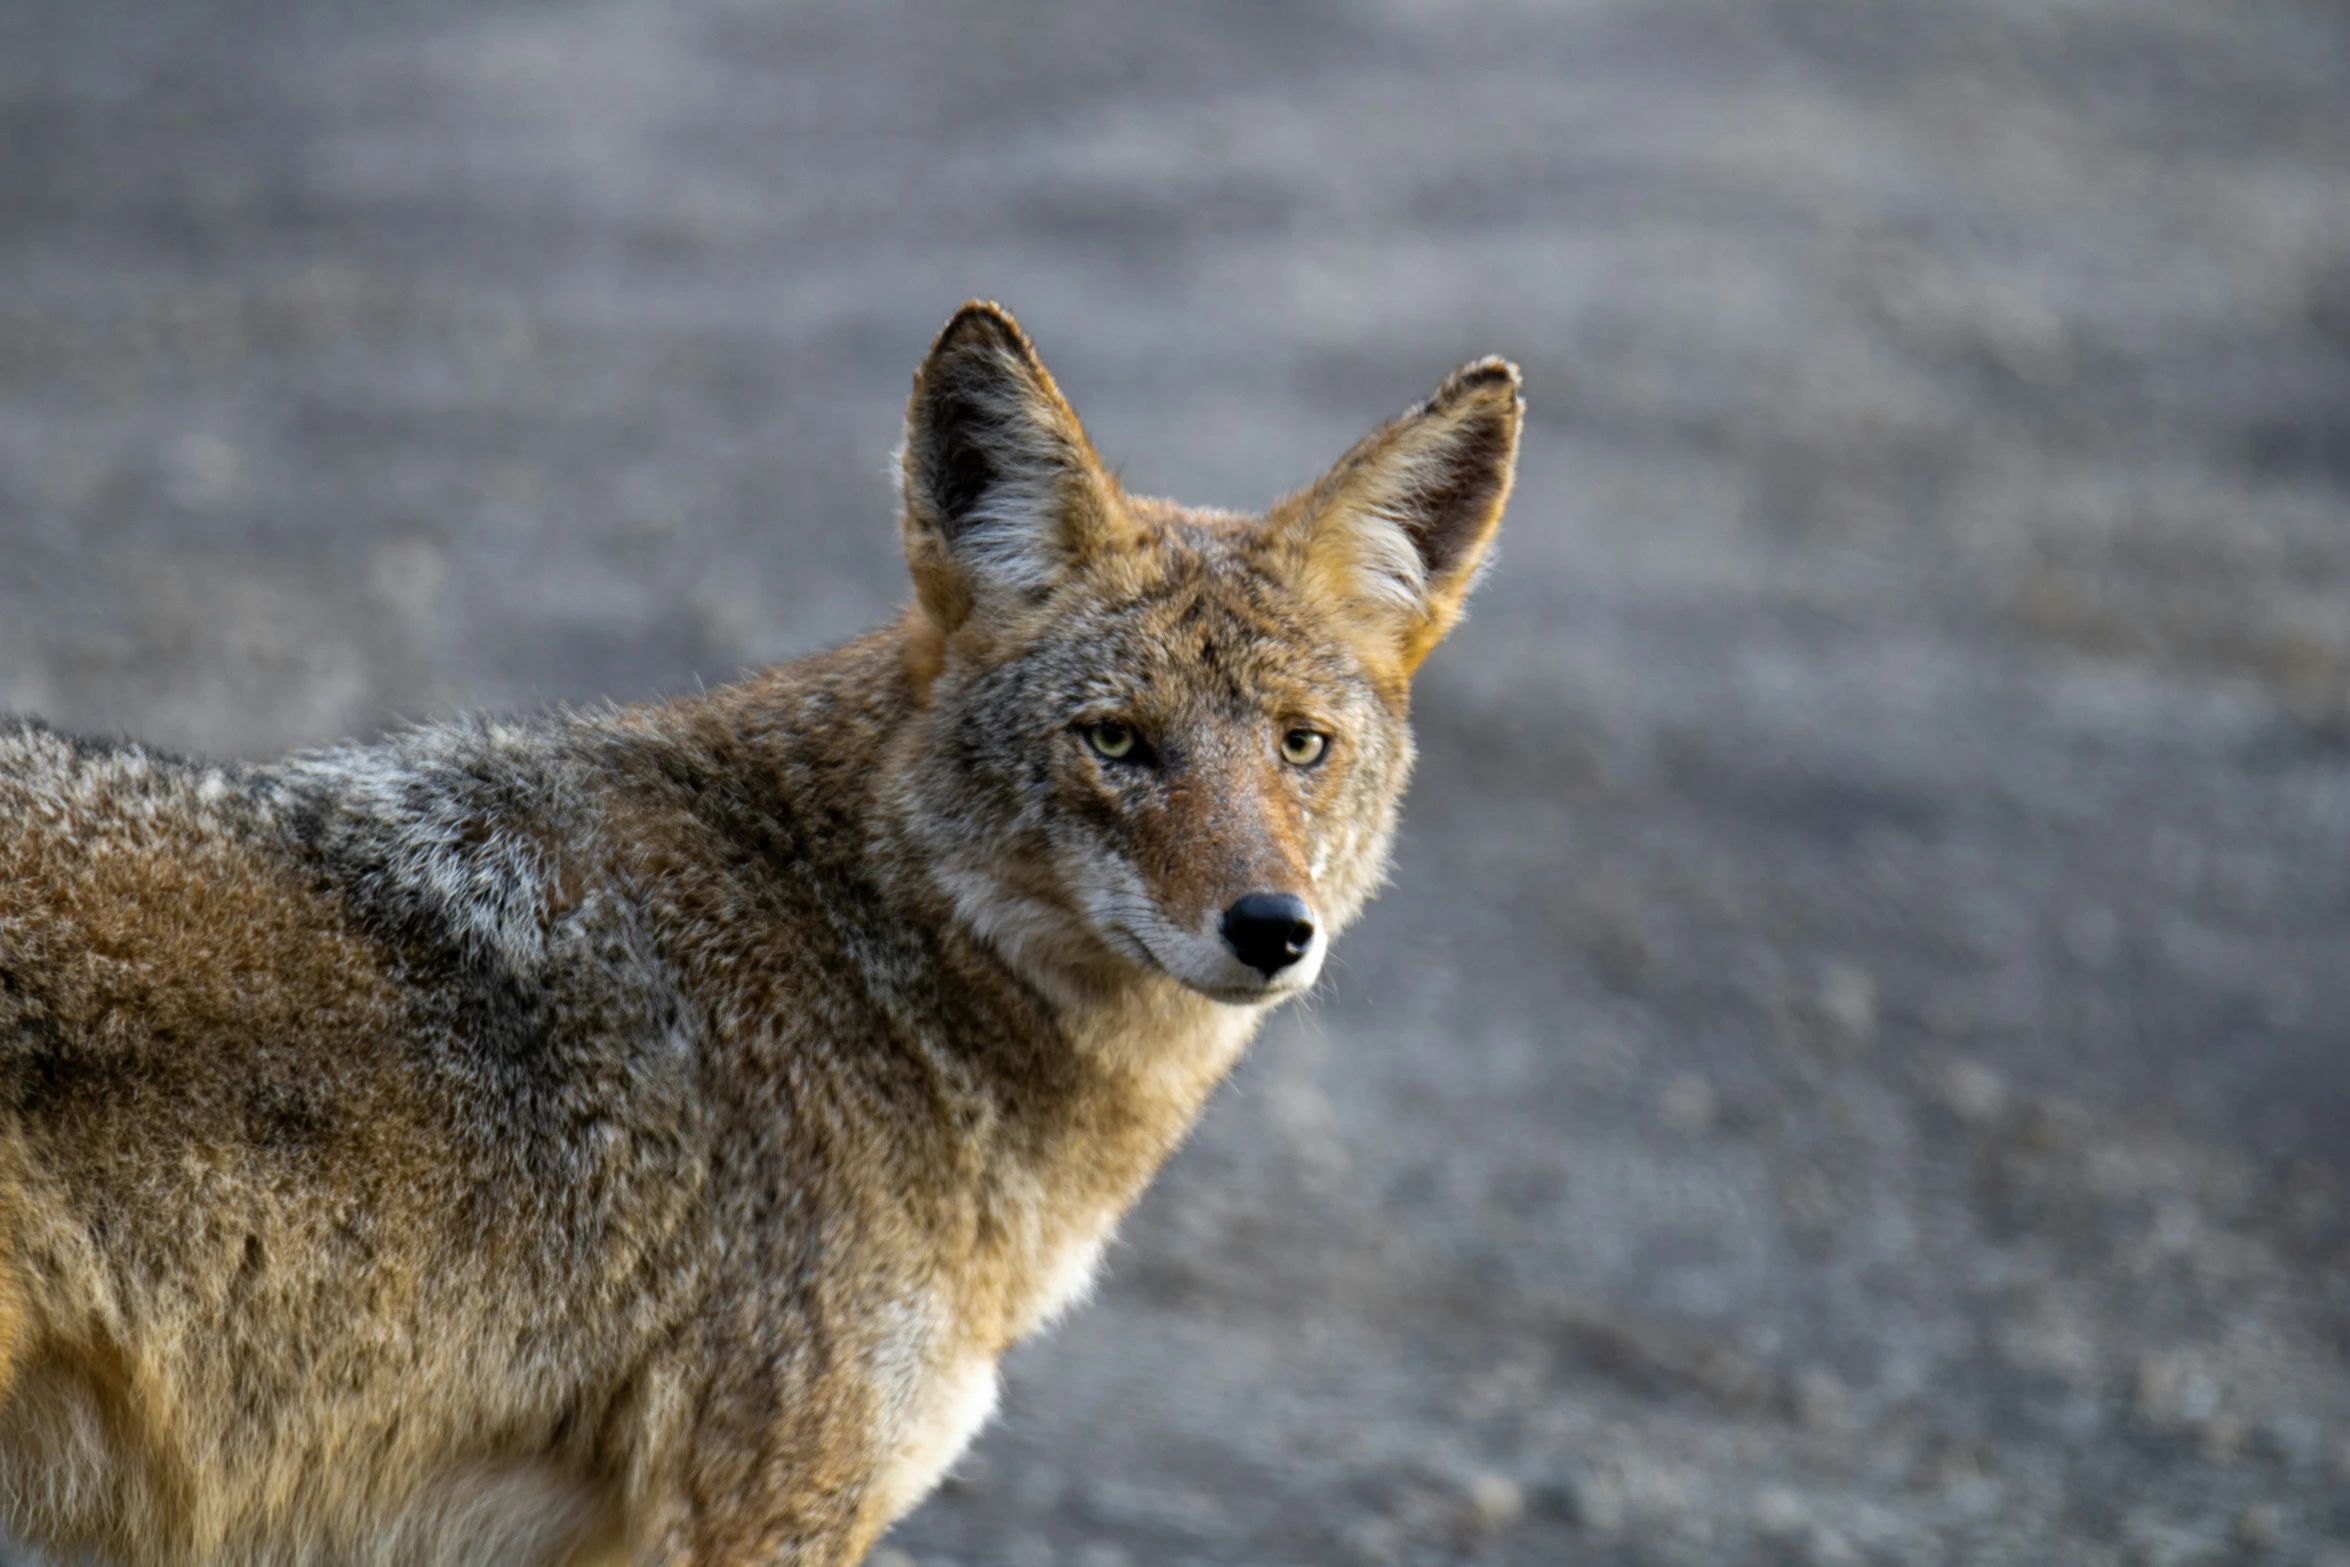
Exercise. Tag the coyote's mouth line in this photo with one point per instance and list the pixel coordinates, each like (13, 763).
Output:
(1127, 941)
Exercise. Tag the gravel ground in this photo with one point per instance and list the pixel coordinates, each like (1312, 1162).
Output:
(1851, 1068)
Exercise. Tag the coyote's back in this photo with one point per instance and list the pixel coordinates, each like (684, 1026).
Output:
(637, 1134)
(247, 1191)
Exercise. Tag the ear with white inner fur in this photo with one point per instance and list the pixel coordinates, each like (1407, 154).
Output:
(1003, 493)
(1395, 533)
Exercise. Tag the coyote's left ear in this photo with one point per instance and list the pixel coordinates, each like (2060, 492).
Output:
(1395, 533)
(1003, 493)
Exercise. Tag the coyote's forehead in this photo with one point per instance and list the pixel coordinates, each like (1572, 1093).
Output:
(1210, 637)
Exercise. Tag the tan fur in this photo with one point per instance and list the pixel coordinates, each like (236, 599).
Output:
(637, 1136)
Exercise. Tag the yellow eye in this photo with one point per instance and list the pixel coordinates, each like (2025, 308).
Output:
(1111, 739)
(1303, 747)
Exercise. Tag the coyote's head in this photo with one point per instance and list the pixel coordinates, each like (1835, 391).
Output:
(1160, 738)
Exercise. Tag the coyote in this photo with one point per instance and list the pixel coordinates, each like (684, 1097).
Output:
(635, 1135)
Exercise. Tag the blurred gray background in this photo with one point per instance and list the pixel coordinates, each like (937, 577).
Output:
(1852, 1066)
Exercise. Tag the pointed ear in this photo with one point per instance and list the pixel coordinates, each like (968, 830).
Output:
(1003, 493)
(1395, 534)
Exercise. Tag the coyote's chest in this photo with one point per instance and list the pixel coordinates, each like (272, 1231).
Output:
(945, 1409)
(950, 1383)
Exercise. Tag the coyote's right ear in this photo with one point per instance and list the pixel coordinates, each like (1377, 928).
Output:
(1394, 535)
(1003, 493)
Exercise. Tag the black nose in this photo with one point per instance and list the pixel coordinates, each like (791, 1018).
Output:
(1269, 930)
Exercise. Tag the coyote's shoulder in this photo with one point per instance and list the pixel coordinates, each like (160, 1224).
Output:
(636, 1134)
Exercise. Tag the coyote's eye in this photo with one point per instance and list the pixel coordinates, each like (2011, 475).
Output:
(1111, 739)
(1303, 747)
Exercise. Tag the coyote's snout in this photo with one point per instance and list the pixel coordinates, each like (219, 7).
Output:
(635, 1135)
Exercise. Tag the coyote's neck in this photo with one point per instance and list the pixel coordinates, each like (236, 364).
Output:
(1151, 1064)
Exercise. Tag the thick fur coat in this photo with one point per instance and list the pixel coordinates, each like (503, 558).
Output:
(636, 1135)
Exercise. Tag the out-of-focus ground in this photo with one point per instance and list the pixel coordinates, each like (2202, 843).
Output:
(1853, 1066)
